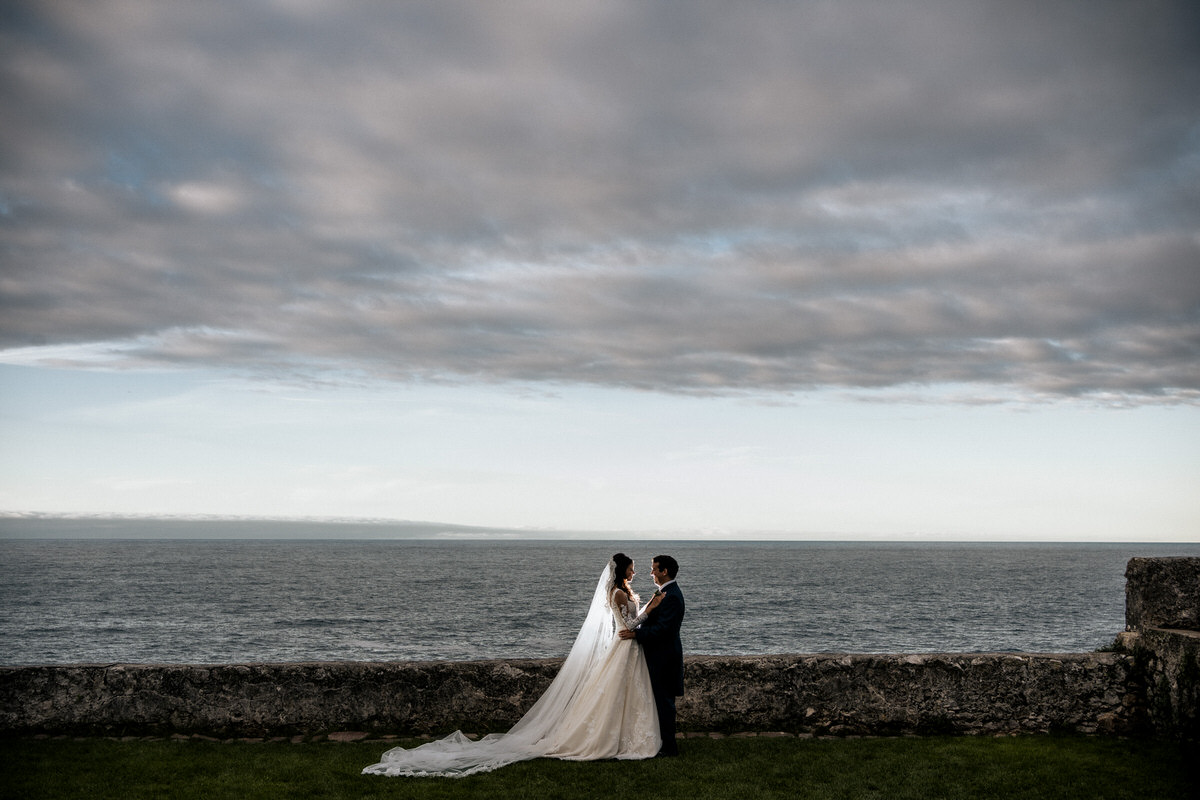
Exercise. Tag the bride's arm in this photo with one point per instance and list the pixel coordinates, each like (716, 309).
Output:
(620, 602)
(645, 612)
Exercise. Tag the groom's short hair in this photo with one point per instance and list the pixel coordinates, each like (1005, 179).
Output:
(670, 565)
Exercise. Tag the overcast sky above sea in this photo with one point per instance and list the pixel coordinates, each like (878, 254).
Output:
(824, 269)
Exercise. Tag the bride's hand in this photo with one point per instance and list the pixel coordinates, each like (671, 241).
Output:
(654, 601)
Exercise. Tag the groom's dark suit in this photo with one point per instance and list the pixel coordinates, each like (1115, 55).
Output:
(659, 638)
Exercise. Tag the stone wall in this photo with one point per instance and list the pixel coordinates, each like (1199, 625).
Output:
(827, 694)
(913, 694)
(236, 700)
(1162, 621)
(1148, 685)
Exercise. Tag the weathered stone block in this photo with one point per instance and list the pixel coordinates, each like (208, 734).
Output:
(1162, 593)
(1169, 665)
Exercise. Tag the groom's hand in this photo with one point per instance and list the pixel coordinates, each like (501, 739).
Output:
(626, 634)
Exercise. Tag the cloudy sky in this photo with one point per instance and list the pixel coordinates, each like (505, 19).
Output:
(833, 269)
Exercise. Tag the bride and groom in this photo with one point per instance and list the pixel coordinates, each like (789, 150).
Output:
(614, 696)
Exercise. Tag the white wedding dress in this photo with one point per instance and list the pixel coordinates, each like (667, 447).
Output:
(598, 706)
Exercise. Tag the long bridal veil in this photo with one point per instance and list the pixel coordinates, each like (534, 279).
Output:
(534, 734)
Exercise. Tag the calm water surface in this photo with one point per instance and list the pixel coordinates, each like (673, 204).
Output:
(169, 601)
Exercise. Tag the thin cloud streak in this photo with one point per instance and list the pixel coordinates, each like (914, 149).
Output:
(680, 197)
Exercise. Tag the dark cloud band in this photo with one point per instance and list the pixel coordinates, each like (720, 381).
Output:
(680, 197)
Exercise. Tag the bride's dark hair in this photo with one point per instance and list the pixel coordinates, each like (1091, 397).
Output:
(621, 563)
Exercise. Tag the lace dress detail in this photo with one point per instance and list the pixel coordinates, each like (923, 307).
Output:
(599, 706)
(627, 613)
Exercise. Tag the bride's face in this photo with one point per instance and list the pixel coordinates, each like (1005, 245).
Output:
(629, 573)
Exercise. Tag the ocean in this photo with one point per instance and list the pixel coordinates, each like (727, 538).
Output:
(272, 600)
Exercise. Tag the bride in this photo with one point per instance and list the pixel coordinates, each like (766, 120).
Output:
(598, 706)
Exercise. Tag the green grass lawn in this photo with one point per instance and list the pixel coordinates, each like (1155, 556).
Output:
(935, 767)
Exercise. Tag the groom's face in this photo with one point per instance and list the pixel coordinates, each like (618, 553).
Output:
(659, 574)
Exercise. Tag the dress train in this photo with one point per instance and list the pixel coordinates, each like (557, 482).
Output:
(599, 706)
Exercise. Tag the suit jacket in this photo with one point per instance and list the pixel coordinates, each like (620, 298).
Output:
(659, 638)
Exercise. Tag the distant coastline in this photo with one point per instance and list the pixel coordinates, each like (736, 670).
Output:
(35, 525)
(24, 525)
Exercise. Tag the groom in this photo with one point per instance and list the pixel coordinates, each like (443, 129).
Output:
(659, 638)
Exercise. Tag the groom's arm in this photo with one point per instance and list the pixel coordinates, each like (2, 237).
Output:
(666, 622)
